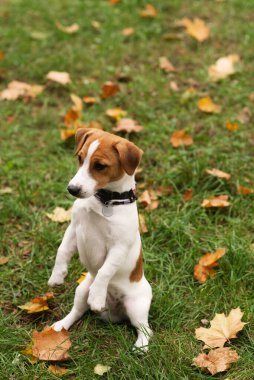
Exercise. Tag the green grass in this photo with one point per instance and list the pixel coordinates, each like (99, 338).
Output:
(37, 166)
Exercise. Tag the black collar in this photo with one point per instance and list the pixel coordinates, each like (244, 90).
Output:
(113, 198)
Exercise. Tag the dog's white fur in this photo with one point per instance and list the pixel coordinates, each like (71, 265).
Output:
(109, 248)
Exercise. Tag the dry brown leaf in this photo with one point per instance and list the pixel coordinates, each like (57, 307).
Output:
(29, 353)
(45, 297)
(174, 86)
(3, 260)
(109, 89)
(61, 77)
(244, 116)
(90, 100)
(50, 344)
(217, 360)
(114, 2)
(67, 29)
(6, 190)
(204, 268)
(209, 259)
(17, 89)
(166, 65)
(95, 124)
(148, 11)
(179, 138)
(100, 369)
(244, 190)
(116, 113)
(67, 133)
(187, 196)
(232, 126)
(149, 200)
(127, 125)
(222, 329)
(82, 277)
(126, 32)
(218, 173)
(197, 28)
(2, 55)
(38, 304)
(216, 201)
(96, 24)
(207, 105)
(60, 215)
(57, 370)
(77, 103)
(142, 224)
(202, 273)
(71, 117)
(223, 67)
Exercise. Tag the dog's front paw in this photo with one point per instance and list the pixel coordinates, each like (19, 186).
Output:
(57, 277)
(59, 325)
(96, 300)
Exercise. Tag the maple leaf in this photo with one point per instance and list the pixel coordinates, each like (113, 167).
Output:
(17, 89)
(244, 190)
(222, 329)
(61, 77)
(232, 126)
(180, 137)
(197, 28)
(90, 100)
(148, 11)
(67, 29)
(166, 65)
(100, 369)
(60, 215)
(207, 105)
(149, 200)
(204, 268)
(223, 67)
(218, 173)
(109, 89)
(217, 360)
(142, 224)
(116, 113)
(126, 32)
(57, 370)
(187, 196)
(50, 344)
(127, 125)
(3, 260)
(82, 277)
(216, 201)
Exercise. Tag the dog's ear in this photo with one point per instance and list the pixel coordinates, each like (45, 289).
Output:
(129, 155)
(81, 137)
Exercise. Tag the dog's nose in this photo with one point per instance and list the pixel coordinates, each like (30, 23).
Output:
(73, 190)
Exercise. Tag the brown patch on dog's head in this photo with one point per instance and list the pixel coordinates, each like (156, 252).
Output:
(137, 272)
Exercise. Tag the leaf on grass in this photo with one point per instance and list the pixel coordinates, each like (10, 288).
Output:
(218, 173)
(77, 103)
(204, 268)
(149, 200)
(232, 126)
(90, 100)
(223, 67)
(142, 224)
(61, 77)
(17, 89)
(244, 190)
(188, 94)
(67, 133)
(60, 215)
(109, 89)
(126, 32)
(187, 196)
(244, 116)
(222, 329)
(216, 201)
(6, 190)
(29, 353)
(173, 86)
(37, 35)
(50, 344)
(180, 137)
(116, 113)
(148, 11)
(3, 260)
(100, 369)
(96, 24)
(67, 29)
(217, 360)
(127, 125)
(82, 277)
(45, 297)
(57, 370)
(197, 28)
(166, 65)
(206, 104)
(114, 2)
(2, 55)
(38, 304)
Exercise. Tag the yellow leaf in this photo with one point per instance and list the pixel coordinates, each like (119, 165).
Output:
(197, 28)
(61, 77)
(57, 370)
(217, 360)
(82, 277)
(207, 105)
(232, 126)
(116, 113)
(67, 133)
(180, 137)
(67, 29)
(6, 190)
(148, 11)
(77, 103)
(60, 215)
(31, 307)
(218, 173)
(29, 353)
(100, 369)
(223, 67)
(90, 100)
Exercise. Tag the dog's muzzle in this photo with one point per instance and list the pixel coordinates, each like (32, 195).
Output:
(74, 190)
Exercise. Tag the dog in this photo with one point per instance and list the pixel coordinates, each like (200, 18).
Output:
(104, 229)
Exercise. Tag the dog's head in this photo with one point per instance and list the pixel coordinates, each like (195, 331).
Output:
(103, 158)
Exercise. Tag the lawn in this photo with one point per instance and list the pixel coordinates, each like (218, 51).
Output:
(37, 166)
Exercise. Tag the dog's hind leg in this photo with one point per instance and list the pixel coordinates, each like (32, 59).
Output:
(80, 305)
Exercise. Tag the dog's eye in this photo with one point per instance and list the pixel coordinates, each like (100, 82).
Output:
(99, 167)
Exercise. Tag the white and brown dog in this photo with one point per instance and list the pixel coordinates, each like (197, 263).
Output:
(104, 229)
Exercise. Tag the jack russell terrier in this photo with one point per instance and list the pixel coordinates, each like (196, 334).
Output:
(104, 229)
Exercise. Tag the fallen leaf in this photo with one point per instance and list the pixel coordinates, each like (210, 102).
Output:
(244, 116)
(90, 100)
(188, 94)
(204, 268)
(67, 29)
(3, 260)
(38, 304)
(50, 344)
(207, 105)
(209, 259)
(232, 126)
(100, 369)
(142, 224)
(166, 65)
(29, 353)
(187, 196)
(60, 215)
(148, 11)
(202, 273)
(149, 200)
(39, 35)
(116, 113)
(127, 125)
(95, 124)
(223, 67)
(67, 133)
(217, 360)
(6, 190)
(197, 28)
(114, 2)
(244, 190)
(179, 138)
(71, 117)
(96, 24)
(216, 201)
(57, 370)
(61, 77)
(109, 89)
(222, 329)
(174, 86)
(45, 297)
(218, 173)
(82, 277)
(126, 32)
(17, 89)
(2, 55)
(77, 103)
